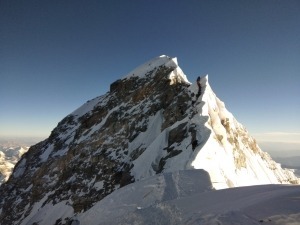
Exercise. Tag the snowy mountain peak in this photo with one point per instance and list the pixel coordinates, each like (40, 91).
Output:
(152, 121)
(147, 68)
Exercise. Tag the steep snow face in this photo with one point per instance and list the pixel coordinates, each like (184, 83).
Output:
(222, 146)
(231, 155)
(152, 121)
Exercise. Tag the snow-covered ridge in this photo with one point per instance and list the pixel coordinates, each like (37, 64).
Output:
(153, 64)
(230, 155)
(149, 67)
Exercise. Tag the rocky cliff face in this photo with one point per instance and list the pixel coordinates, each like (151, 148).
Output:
(149, 122)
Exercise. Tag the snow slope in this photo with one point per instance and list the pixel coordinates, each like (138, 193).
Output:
(231, 155)
(186, 197)
(225, 149)
(267, 204)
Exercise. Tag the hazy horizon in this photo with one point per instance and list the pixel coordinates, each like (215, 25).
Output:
(275, 149)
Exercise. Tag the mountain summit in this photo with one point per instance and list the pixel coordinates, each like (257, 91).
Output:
(150, 122)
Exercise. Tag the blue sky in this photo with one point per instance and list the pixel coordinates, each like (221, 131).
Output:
(56, 55)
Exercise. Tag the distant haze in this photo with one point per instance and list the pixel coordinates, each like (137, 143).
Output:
(274, 148)
(19, 141)
(279, 144)
(280, 149)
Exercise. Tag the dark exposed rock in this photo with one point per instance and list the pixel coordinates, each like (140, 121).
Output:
(193, 132)
(171, 153)
(177, 134)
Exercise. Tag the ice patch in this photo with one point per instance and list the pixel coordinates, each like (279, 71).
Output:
(48, 214)
(98, 185)
(46, 153)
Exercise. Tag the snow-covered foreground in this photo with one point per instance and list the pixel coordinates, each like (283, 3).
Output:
(187, 197)
(183, 197)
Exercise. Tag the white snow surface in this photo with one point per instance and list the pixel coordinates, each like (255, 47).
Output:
(218, 154)
(48, 214)
(146, 193)
(185, 197)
